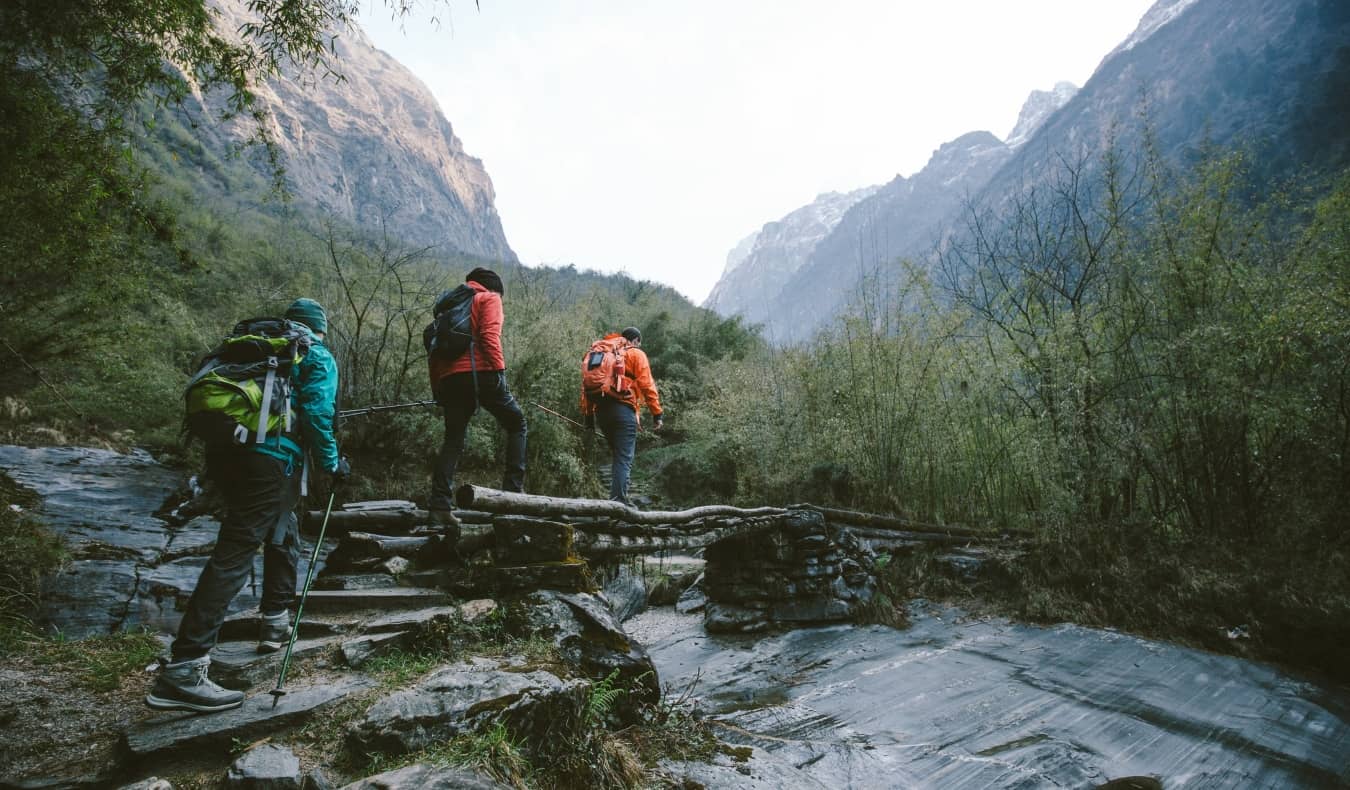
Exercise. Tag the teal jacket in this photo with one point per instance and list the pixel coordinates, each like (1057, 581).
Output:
(314, 386)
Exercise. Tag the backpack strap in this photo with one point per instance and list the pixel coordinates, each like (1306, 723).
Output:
(266, 408)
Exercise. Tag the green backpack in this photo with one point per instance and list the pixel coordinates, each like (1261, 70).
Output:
(241, 393)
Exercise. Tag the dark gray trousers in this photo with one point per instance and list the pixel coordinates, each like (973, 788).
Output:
(618, 422)
(261, 494)
(457, 396)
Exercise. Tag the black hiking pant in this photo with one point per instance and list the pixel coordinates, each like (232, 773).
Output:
(457, 396)
(261, 494)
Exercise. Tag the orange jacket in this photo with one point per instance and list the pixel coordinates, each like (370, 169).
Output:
(642, 387)
(485, 320)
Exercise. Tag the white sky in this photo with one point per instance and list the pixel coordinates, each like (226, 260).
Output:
(649, 136)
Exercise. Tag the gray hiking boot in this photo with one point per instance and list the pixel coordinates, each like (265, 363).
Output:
(183, 685)
(274, 631)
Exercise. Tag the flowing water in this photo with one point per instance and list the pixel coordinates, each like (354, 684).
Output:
(953, 702)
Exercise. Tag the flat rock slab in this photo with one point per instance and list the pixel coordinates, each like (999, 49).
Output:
(173, 733)
(239, 665)
(357, 600)
(462, 697)
(358, 651)
(426, 777)
(244, 626)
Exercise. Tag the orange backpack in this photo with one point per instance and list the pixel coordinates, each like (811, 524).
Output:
(602, 369)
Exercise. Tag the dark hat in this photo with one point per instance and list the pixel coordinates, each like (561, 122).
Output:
(632, 334)
(486, 278)
(308, 312)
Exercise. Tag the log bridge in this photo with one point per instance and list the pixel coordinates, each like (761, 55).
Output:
(795, 564)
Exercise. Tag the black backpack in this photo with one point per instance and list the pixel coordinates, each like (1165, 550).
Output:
(450, 334)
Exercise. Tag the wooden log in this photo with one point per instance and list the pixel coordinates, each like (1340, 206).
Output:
(367, 520)
(494, 501)
(895, 523)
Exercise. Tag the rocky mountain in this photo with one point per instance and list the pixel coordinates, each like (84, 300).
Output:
(373, 149)
(1038, 106)
(1268, 75)
(764, 261)
(807, 265)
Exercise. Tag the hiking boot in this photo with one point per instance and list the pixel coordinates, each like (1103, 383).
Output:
(448, 522)
(183, 685)
(274, 630)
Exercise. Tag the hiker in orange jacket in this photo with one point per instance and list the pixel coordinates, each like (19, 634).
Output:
(476, 378)
(618, 416)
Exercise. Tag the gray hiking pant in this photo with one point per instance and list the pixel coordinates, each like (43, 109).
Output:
(261, 494)
(618, 422)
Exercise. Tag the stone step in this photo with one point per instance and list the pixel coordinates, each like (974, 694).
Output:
(322, 601)
(174, 732)
(355, 581)
(239, 665)
(244, 626)
(361, 649)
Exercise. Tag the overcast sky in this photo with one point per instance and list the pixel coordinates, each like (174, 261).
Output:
(650, 136)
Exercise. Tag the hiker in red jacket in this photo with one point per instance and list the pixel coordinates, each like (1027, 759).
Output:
(461, 385)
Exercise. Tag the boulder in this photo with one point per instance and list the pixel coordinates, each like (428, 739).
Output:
(465, 697)
(626, 593)
(265, 767)
(693, 599)
(152, 783)
(590, 637)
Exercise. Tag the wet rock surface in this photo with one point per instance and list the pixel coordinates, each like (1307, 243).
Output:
(129, 567)
(962, 703)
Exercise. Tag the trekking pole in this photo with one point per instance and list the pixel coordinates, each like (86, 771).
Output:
(559, 416)
(363, 411)
(278, 692)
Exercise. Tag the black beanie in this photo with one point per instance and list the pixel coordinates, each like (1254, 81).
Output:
(632, 334)
(486, 278)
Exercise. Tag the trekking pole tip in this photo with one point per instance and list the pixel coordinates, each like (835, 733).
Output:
(277, 694)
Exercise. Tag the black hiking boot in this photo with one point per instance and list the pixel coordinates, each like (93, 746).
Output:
(274, 631)
(183, 685)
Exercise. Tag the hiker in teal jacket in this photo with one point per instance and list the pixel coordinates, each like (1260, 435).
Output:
(261, 484)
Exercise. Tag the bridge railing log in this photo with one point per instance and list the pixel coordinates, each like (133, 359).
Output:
(494, 501)
(877, 521)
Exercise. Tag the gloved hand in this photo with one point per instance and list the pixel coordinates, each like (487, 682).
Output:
(340, 476)
(660, 422)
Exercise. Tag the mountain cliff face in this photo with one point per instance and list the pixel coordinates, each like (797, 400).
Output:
(764, 261)
(1271, 75)
(373, 149)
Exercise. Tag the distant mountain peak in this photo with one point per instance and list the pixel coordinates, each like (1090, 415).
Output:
(1160, 14)
(1039, 106)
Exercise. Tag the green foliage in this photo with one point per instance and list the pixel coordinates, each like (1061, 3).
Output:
(99, 663)
(31, 552)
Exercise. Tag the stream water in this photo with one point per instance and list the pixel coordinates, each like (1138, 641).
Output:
(953, 702)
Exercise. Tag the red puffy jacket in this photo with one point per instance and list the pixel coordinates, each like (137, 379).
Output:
(485, 321)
